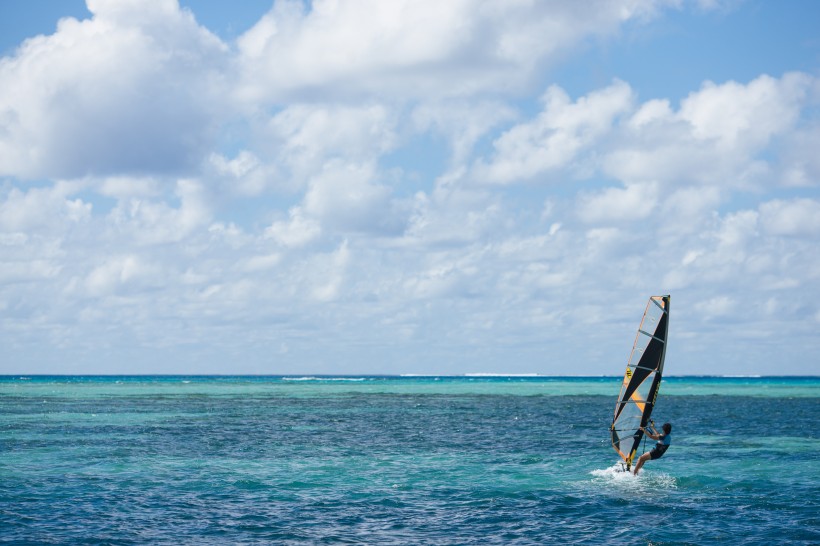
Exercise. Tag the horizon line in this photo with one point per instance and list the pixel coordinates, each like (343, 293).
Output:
(471, 375)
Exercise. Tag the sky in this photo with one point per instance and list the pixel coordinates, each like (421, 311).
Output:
(408, 186)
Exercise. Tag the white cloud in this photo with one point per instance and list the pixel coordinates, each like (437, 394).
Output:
(262, 263)
(125, 187)
(651, 112)
(347, 197)
(798, 217)
(733, 116)
(736, 233)
(129, 91)
(453, 215)
(329, 274)
(715, 136)
(122, 273)
(559, 133)
(298, 231)
(634, 202)
(415, 48)
(462, 122)
(746, 251)
(151, 222)
(42, 209)
(720, 306)
(306, 137)
(801, 162)
(245, 175)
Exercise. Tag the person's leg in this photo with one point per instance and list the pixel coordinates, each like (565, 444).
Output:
(642, 459)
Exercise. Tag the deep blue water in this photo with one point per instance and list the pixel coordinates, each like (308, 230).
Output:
(387, 460)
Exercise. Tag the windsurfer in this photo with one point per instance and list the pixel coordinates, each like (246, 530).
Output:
(664, 440)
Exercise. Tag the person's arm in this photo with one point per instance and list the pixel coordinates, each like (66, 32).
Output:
(652, 436)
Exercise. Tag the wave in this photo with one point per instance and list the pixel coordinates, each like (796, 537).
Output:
(317, 378)
(491, 374)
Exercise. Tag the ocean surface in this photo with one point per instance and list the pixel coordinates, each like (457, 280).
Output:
(401, 460)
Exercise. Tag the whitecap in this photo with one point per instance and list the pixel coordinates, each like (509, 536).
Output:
(619, 479)
(313, 378)
(493, 374)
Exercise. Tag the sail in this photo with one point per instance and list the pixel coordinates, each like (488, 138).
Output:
(642, 379)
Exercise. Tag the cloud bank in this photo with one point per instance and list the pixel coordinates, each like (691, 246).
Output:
(398, 187)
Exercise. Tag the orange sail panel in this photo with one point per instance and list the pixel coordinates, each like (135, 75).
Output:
(642, 379)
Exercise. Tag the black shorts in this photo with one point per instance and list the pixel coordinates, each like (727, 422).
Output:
(657, 452)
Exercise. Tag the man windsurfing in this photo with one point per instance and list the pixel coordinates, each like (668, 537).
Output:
(664, 440)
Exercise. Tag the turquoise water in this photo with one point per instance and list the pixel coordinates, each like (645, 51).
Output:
(401, 460)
